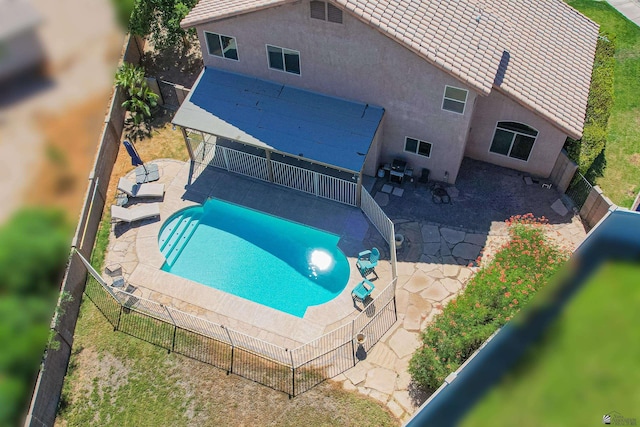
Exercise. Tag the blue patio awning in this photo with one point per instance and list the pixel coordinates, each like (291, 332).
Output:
(281, 118)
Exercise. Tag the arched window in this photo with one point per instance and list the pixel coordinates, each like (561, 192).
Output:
(514, 140)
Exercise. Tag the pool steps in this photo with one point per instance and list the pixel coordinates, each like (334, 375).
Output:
(177, 234)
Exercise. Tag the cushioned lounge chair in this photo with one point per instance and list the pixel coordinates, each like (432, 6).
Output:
(367, 261)
(362, 290)
(135, 213)
(140, 190)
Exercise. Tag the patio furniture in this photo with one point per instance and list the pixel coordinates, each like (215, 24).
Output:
(136, 213)
(424, 178)
(367, 261)
(398, 169)
(140, 190)
(115, 272)
(362, 291)
(439, 195)
(408, 174)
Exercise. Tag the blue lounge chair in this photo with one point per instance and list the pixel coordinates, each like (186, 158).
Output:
(362, 290)
(367, 261)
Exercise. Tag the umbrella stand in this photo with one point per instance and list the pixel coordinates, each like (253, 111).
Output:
(150, 174)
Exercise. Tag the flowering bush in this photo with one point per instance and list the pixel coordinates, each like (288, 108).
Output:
(492, 297)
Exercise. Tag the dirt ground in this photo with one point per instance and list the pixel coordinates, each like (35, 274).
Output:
(71, 139)
(172, 65)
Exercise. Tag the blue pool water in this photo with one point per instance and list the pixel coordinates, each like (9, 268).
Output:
(274, 262)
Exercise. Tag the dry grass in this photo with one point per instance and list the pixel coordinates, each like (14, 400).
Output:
(72, 138)
(118, 380)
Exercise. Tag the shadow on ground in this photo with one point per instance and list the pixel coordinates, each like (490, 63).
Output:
(483, 194)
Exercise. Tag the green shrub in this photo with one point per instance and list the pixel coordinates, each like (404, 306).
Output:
(594, 137)
(140, 100)
(492, 297)
(159, 20)
(34, 247)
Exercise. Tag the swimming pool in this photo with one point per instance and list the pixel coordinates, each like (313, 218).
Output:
(263, 258)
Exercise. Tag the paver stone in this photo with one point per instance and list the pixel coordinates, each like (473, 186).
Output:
(381, 379)
(467, 251)
(404, 343)
(452, 236)
(435, 292)
(430, 234)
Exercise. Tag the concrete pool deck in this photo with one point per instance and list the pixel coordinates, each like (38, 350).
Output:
(433, 267)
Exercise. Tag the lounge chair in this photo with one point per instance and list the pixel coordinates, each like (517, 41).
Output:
(140, 190)
(136, 213)
(362, 290)
(367, 261)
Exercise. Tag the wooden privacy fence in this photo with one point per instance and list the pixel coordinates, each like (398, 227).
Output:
(292, 371)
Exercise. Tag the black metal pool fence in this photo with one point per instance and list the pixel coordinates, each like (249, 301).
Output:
(292, 371)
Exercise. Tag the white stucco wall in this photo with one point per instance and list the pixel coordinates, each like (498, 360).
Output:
(354, 61)
(497, 107)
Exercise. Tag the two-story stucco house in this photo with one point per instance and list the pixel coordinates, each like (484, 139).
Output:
(428, 82)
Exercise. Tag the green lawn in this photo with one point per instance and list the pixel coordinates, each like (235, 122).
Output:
(586, 365)
(621, 179)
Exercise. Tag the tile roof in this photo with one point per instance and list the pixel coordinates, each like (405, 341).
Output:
(540, 52)
(551, 48)
(208, 10)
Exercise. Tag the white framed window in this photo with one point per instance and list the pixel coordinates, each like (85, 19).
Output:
(514, 140)
(454, 99)
(417, 146)
(283, 59)
(325, 11)
(221, 46)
